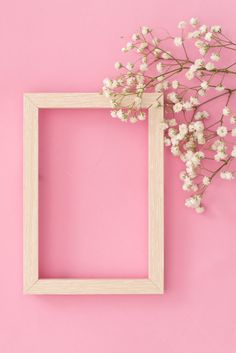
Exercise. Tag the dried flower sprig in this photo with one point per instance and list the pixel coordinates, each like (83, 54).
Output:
(192, 78)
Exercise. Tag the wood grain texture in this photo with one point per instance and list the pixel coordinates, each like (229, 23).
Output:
(32, 284)
(156, 197)
(94, 286)
(81, 100)
(30, 193)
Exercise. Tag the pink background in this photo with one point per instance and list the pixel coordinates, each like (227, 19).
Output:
(92, 195)
(68, 45)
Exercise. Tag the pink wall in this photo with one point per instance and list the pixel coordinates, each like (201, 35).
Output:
(92, 194)
(68, 45)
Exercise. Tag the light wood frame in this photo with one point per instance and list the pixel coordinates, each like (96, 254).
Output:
(32, 283)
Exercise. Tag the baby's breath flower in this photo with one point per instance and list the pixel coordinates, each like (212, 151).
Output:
(166, 55)
(157, 52)
(114, 84)
(145, 30)
(198, 126)
(227, 175)
(178, 41)
(200, 209)
(193, 201)
(208, 36)
(113, 113)
(129, 46)
(173, 97)
(143, 67)
(106, 92)
(201, 115)
(210, 66)
(159, 87)
(172, 122)
(129, 66)
(193, 21)
(233, 119)
(194, 68)
(177, 107)
(194, 187)
(203, 29)
(140, 78)
(194, 101)
(187, 184)
(140, 87)
(172, 132)
(233, 132)
(167, 141)
(175, 150)
(201, 138)
(206, 180)
(216, 29)
(215, 57)
(164, 125)
(159, 67)
(189, 75)
(187, 105)
(222, 131)
(142, 46)
(130, 81)
(141, 116)
(203, 50)
(201, 92)
(120, 114)
(199, 63)
(220, 156)
(233, 153)
(190, 145)
(135, 37)
(183, 175)
(220, 88)
(155, 41)
(204, 85)
(226, 111)
(218, 145)
(194, 34)
(165, 85)
(107, 82)
(182, 24)
(133, 119)
(175, 84)
(199, 44)
(183, 129)
(137, 101)
(118, 65)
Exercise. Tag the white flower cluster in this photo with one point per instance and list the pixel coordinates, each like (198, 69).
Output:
(195, 202)
(202, 141)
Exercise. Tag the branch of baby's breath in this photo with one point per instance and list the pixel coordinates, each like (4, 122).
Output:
(202, 140)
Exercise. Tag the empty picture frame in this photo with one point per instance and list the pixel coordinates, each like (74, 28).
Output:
(153, 284)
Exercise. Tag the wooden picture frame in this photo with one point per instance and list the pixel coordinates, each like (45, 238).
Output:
(153, 284)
